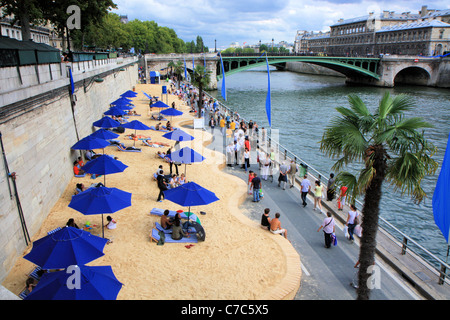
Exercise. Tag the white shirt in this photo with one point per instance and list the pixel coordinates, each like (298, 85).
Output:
(330, 227)
(352, 215)
(305, 185)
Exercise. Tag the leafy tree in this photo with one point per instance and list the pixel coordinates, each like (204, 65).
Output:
(390, 147)
(200, 79)
(25, 11)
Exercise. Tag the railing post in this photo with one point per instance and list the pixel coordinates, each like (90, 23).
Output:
(404, 246)
(442, 275)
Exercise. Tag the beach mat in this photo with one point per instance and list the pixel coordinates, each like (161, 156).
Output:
(168, 239)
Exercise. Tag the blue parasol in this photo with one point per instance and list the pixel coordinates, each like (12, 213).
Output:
(104, 134)
(178, 135)
(121, 101)
(171, 112)
(90, 143)
(185, 155)
(106, 122)
(104, 165)
(100, 200)
(66, 247)
(115, 111)
(129, 93)
(78, 283)
(136, 125)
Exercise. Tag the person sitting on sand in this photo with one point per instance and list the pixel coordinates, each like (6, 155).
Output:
(112, 224)
(79, 188)
(177, 231)
(275, 226)
(265, 219)
(77, 169)
(165, 222)
(181, 179)
(71, 223)
(169, 126)
(158, 126)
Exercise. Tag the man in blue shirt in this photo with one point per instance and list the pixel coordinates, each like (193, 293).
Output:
(305, 188)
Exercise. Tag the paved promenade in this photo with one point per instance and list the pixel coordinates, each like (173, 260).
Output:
(327, 274)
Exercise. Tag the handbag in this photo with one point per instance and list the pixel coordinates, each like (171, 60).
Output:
(334, 239)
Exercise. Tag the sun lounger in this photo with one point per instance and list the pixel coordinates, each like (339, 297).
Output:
(125, 150)
(154, 236)
(80, 175)
(153, 145)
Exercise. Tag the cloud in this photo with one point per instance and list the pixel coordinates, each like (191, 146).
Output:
(253, 20)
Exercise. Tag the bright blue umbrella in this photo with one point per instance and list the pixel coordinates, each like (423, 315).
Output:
(66, 247)
(95, 283)
(90, 143)
(178, 135)
(190, 194)
(159, 104)
(121, 101)
(107, 122)
(104, 165)
(104, 134)
(115, 111)
(136, 125)
(124, 106)
(185, 155)
(100, 200)
(171, 112)
(129, 93)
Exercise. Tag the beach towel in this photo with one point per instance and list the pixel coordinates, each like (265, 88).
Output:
(158, 235)
(125, 150)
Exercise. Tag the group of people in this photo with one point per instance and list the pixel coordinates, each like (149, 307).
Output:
(272, 224)
(167, 182)
(174, 224)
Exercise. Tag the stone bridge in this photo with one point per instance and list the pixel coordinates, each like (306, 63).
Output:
(385, 72)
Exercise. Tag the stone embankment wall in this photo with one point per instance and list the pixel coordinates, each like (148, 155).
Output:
(39, 122)
(309, 68)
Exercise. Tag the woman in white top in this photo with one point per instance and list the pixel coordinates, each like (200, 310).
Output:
(318, 190)
(112, 224)
(328, 226)
(351, 223)
(265, 170)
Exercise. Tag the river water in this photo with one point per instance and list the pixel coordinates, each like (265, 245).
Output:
(303, 105)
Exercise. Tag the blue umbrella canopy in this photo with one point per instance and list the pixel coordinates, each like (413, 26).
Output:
(104, 134)
(115, 111)
(95, 283)
(186, 155)
(104, 165)
(66, 247)
(136, 125)
(147, 95)
(171, 112)
(178, 135)
(124, 106)
(159, 104)
(90, 143)
(190, 194)
(122, 100)
(129, 93)
(107, 122)
(100, 200)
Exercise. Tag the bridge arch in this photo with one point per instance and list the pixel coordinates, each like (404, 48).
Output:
(414, 75)
(349, 67)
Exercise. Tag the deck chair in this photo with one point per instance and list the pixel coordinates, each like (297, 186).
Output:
(154, 236)
(80, 175)
(168, 231)
(161, 130)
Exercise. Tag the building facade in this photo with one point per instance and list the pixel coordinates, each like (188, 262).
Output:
(425, 33)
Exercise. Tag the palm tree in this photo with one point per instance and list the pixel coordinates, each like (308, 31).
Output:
(390, 147)
(179, 69)
(200, 79)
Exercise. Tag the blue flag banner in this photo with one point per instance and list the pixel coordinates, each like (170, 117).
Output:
(268, 100)
(193, 64)
(185, 71)
(72, 85)
(441, 196)
(224, 90)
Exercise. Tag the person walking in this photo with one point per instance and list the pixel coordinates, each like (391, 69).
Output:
(305, 188)
(328, 226)
(256, 182)
(291, 173)
(331, 188)
(282, 178)
(318, 191)
(162, 186)
(352, 221)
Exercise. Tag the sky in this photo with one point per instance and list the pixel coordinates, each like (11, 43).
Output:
(249, 21)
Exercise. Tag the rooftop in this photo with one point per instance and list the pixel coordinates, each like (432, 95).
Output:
(415, 25)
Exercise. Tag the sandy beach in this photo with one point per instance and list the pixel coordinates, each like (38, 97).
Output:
(238, 260)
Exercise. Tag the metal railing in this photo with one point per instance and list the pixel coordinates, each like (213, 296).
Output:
(406, 243)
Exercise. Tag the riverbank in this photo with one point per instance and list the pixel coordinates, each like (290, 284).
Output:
(238, 260)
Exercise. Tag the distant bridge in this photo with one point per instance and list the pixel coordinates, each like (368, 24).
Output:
(384, 72)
